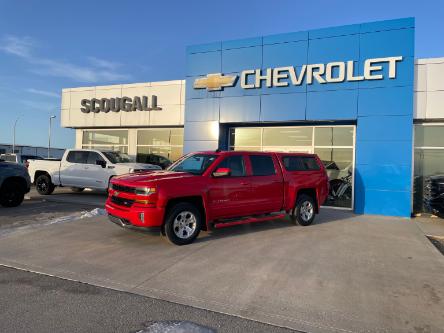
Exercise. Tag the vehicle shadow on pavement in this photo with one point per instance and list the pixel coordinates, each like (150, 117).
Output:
(326, 216)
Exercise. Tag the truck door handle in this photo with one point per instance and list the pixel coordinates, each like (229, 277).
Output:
(244, 183)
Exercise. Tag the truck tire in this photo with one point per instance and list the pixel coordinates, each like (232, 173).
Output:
(304, 211)
(12, 193)
(44, 185)
(77, 189)
(183, 223)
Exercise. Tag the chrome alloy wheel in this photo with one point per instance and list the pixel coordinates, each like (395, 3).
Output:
(185, 224)
(306, 212)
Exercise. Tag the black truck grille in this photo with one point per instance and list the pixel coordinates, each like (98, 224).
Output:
(122, 188)
(122, 201)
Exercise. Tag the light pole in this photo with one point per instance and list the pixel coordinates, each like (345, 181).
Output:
(49, 134)
(13, 136)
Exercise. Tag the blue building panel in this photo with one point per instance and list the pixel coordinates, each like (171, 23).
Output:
(382, 108)
(208, 47)
(286, 54)
(393, 101)
(204, 109)
(235, 60)
(285, 38)
(237, 89)
(192, 93)
(204, 63)
(238, 43)
(378, 202)
(240, 109)
(404, 75)
(283, 107)
(332, 105)
(344, 30)
(326, 50)
(388, 25)
(384, 177)
(378, 152)
(390, 43)
(385, 128)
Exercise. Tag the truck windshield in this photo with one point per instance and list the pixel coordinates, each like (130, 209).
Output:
(194, 164)
(117, 157)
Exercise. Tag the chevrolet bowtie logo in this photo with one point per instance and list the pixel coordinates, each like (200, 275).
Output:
(215, 82)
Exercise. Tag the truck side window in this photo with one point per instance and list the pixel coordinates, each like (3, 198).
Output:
(300, 163)
(93, 157)
(77, 156)
(262, 165)
(236, 164)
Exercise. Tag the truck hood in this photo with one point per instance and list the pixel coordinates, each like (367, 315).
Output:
(142, 178)
(138, 166)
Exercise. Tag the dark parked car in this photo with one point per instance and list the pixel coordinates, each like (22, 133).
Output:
(159, 160)
(14, 183)
(19, 158)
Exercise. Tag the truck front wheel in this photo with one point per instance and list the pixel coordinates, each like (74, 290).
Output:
(44, 185)
(304, 211)
(183, 223)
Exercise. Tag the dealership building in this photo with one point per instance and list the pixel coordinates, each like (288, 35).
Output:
(355, 95)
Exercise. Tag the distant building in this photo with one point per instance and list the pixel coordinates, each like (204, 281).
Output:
(32, 150)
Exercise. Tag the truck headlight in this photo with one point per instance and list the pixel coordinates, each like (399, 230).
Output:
(144, 190)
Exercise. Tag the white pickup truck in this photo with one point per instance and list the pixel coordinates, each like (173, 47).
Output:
(82, 168)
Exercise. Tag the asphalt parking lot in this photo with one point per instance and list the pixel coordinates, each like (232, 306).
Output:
(77, 307)
(345, 273)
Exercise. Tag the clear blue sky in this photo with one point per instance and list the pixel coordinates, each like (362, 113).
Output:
(49, 45)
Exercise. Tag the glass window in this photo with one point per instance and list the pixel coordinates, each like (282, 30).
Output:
(77, 156)
(333, 144)
(235, 164)
(429, 136)
(194, 164)
(338, 163)
(117, 157)
(153, 137)
(287, 136)
(176, 138)
(121, 149)
(105, 137)
(262, 165)
(429, 160)
(334, 136)
(93, 157)
(241, 137)
(300, 163)
(166, 142)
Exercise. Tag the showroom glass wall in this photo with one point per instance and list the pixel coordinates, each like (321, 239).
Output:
(333, 144)
(166, 142)
(116, 140)
(429, 158)
(151, 143)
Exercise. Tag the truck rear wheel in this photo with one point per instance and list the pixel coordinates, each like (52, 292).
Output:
(304, 211)
(12, 194)
(44, 185)
(183, 223)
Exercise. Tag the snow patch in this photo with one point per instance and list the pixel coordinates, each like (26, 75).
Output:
(175, 327)
(93, 213)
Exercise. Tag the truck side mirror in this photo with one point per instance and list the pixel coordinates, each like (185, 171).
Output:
(222, 172)
(101, 163)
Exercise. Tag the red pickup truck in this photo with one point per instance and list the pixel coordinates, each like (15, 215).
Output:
(218, 189)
